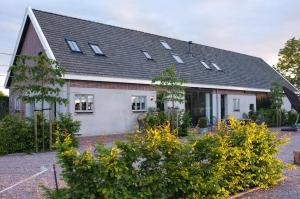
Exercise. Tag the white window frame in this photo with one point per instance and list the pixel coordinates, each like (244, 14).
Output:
(96, 48)
(17, 104)
(87, 101)
(177, 58)
(134, 106)
(165, 45)
(236, 105)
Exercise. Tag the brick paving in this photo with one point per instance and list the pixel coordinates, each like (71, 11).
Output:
(16, 167)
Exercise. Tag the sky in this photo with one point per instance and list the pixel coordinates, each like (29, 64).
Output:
(254, 27)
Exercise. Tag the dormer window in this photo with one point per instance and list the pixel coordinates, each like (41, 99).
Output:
(147, 55)
(166, 45)
(96, 49)
(216, 66)
(73, 46)
(177, 58)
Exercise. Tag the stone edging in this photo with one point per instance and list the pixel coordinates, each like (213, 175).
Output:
(252, 190)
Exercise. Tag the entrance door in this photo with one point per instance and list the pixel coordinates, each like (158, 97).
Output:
(223, 105)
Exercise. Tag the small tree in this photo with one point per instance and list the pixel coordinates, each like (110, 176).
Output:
(38, 79)
(277, 100)
(172, 89)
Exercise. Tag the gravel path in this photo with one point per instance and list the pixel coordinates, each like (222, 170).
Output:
(16, 167)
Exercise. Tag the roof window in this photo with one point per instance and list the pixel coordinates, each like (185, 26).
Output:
(216, 66)
(96, 49)
(205, 65)
(166, 45)
(73, 46)
(177, 58)
(147, 55)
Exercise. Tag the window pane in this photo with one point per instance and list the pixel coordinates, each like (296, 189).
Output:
(147, 55)
(73, 45)
(83, 102)
(166, 45)
(96, 49)
(90, 102)
(177, 58)
(77, 102)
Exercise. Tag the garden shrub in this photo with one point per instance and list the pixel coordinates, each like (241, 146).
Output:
(16, 135)
(157, 164)
(184, 124)
(4, 106)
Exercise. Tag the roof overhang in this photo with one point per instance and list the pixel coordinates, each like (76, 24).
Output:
(148, 82)
(29, 15)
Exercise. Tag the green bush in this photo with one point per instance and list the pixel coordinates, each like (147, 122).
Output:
(184, 124)
(158, 164)
(202, 122)
(16, 135)
(4, 106)
(153, 119)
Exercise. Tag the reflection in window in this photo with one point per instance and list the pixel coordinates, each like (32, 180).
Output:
(236, 104)
(84, 103)
(138, 103)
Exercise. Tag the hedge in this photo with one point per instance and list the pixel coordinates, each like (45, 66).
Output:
(158, 164)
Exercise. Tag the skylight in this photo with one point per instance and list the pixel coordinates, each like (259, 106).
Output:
(73, 46)
(177, 58)
(205, 65)
(147, 55)
(96, 49)
(166, 45)
(216, 66)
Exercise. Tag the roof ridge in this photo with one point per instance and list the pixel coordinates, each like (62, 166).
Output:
(114, 26)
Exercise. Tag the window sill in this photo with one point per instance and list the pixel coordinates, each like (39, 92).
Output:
(79, 112)
(138, 111)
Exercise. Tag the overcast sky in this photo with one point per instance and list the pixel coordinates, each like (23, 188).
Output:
(255, 27)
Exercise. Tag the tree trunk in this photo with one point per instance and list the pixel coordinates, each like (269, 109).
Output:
(43, 125)
(50, 128)
(35, 131)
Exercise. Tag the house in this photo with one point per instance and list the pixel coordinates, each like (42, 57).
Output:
(109, 71)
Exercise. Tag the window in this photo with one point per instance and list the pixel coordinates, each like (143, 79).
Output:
(147, 55)
(73, 46)
(84, 103)
(177, 58)
(96, 49)
(251, 107)
(17, 104)
(205, 65)
(166, 45)
(138, 103)
(216, 66)
(236, 105)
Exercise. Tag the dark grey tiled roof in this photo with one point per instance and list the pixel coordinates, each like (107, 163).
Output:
(124, 58)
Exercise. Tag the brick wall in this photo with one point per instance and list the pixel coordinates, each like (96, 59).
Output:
(110, 85)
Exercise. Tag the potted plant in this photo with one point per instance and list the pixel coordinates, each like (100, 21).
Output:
(202, 125)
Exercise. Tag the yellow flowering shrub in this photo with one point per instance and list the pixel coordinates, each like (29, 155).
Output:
(157, 164)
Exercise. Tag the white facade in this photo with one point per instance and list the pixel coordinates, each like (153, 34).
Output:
(286, 104)
(112, 110)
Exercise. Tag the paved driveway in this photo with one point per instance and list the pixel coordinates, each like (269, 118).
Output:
(16, 167)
